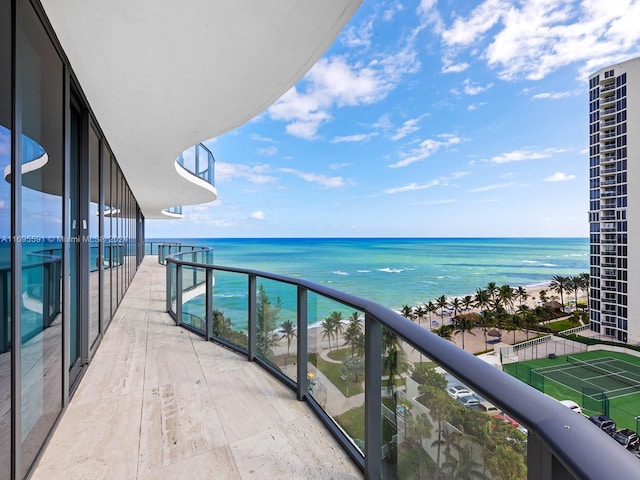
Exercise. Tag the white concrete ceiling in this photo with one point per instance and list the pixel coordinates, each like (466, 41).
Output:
(163, 75)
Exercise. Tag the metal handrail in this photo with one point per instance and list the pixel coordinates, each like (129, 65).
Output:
(561, 443)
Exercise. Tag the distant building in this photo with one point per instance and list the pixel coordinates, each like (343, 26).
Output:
(614, 207)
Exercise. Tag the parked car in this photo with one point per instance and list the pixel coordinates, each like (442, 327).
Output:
(486, 407)
(457, 391)
(572, 405)
(606, 424)
(627, 438)
(469, 400)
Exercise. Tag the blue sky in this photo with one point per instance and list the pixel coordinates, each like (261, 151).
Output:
(432, 118)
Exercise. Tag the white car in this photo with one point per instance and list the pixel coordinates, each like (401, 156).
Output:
(572, 405)
(457, 391)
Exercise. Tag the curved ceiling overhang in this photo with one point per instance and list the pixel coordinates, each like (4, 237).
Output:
(163, 75)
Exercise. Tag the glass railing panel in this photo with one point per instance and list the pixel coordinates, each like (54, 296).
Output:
(434, 426)
(277, 324)
(336, 363)
(231, 307)
(194, 303)
(172, 287)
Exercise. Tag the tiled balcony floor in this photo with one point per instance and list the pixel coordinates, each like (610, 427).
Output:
(158, 402)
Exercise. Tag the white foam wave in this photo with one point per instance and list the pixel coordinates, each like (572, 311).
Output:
(529, 261)
(364, 271)
(340, 272)
(390, 270)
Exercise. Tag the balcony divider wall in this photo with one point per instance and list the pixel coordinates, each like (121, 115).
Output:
(69, 233)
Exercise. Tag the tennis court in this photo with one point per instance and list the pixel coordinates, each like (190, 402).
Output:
(615, 377)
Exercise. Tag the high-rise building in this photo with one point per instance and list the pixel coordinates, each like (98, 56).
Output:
(614, 207)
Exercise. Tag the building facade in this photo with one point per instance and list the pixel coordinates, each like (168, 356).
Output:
(614, 208)
(96, 106)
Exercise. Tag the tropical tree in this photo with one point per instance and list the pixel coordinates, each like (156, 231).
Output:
(267, 321)
(328, 330)
(289, 330)
(438, 403)
(419, 427)
(430, 308)
(338, 327)
(419, 312)
(505, 293)
(407, 312)
(467, 302)
(524, 312)
(353, 332)
(492, 290)
(462, 324)
(543, 296)
(559, 284)
(456, 304)
(442, 304)
(445, 331)
(521, 294)
(464, 467)
(352, 367)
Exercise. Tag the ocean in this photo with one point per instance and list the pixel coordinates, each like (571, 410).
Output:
(412, 271)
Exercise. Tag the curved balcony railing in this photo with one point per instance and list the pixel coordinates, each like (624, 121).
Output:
(199, 161)
(394, 421)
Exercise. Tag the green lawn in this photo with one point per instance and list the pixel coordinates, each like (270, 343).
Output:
(332, 372)
(622, 409)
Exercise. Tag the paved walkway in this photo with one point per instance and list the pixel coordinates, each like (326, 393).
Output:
(158, 402)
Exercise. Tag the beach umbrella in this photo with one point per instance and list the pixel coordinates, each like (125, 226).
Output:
(494, 333)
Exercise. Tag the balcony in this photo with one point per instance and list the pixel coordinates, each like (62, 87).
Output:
(608, 146)
(608, 123)
(607, 87)
(608, 170)
(159, 401)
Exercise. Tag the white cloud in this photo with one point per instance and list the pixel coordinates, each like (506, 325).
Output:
(488, 188)
(338, 166)
(531, 39)
(256, 174)
(3, 204)
(407, 128)
(358, 35)
(560, 177)
(257, 215)
(323, 180)
(268, 151)
(411, 187)
(471, 88)
(334, 82)
(261, 138)
(361, 137)
(552, 95)
(425, 149)
(475, 106)
(524, 154)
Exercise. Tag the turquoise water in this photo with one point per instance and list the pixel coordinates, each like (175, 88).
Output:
(398, 271)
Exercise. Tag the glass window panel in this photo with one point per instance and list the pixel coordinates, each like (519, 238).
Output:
(94, 233)
(335, 342)
(106, 240)
(42, 114)
(230, 307)
(277, 324)
(5, 240)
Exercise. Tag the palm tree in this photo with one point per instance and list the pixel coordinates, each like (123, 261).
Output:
(419, 312)
(467, 302)
(462, 324)
(444, 331)
(464, 467)
(328, 329)
(525, 314)
(559, 284)
(353, 332)
(505, 293)
(419, 427)
(441, 303)
(289, 331)
(482, 301)
(456, 304)
(492, 289)
(338, 326)
(430, 309)
(406, 311)
(521, 294)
